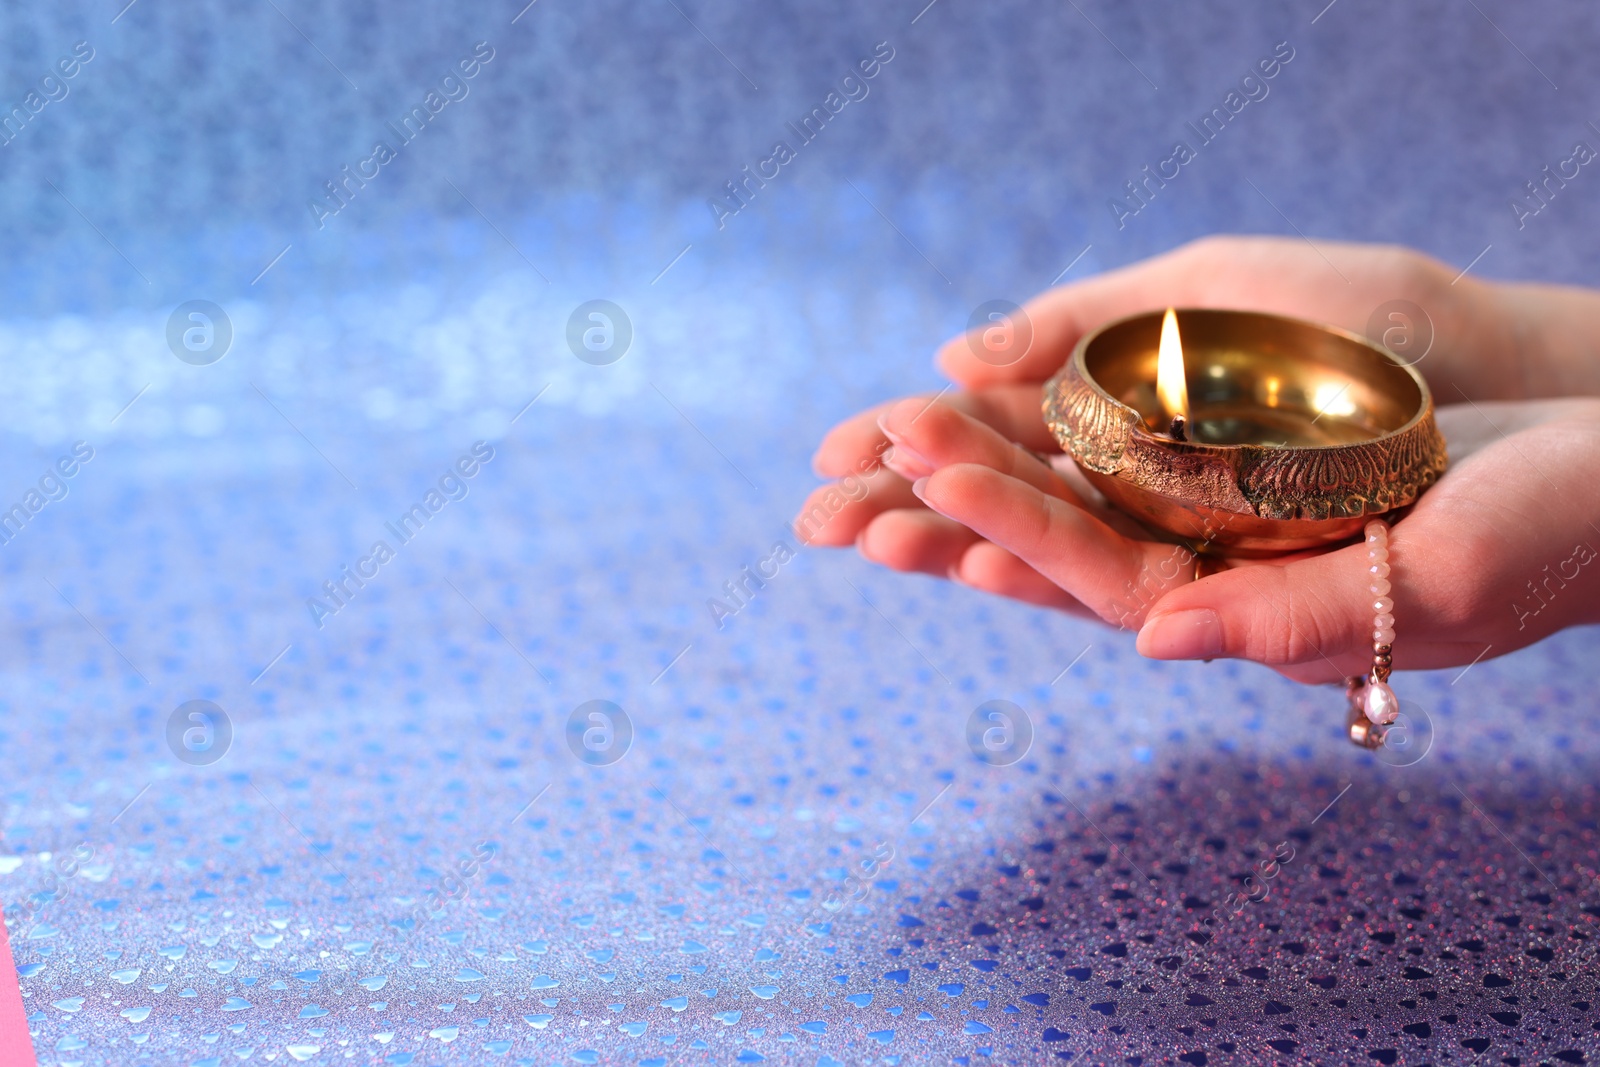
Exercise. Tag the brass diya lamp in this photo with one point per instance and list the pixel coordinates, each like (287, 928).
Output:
(1242, 433)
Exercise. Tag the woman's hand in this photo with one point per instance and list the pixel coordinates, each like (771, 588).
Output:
(1520, 494)
(1497, 555)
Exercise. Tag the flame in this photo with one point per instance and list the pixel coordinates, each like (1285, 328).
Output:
(1172, 385)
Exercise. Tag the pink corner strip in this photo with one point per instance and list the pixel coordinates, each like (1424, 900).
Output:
(16, 1047)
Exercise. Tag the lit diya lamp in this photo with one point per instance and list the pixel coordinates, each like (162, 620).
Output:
(1244, 433)
(1247, 434)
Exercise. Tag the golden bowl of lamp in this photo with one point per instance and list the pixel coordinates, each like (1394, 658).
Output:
(1242, 433)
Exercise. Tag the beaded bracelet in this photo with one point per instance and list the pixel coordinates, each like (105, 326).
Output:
(1373, 705)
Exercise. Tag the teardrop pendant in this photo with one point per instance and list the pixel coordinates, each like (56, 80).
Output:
(1379, 702)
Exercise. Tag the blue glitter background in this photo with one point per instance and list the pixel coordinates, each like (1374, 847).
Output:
(798, 859)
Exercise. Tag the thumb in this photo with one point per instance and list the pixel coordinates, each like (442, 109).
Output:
(1042, 332)
(1315, 611)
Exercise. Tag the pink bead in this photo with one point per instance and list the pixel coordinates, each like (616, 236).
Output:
(1377, 536)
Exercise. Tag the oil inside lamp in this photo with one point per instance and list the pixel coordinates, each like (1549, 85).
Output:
(1227, 394)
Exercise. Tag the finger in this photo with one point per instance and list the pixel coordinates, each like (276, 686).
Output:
(917, 540)
(929, 436)
(853, 446)
(856, 445)
(835, 514)
(1474, 426)
(926, 438)
(991, 569)
(1114, 576)
(928, 543)
(1315, 614)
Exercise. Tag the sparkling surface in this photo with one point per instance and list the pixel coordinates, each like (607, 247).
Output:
(861, 817)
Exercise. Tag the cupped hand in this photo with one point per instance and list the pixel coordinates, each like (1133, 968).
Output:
(1497, 555)
(953, 486)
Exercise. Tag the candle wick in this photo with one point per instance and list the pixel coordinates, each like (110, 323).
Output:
(1178, 428)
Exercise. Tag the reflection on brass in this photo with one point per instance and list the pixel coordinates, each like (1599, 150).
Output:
(1296, 432)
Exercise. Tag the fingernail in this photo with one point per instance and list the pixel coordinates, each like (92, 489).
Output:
(918, 486)
(1192, 634)
(903, 454)
(906, 463)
